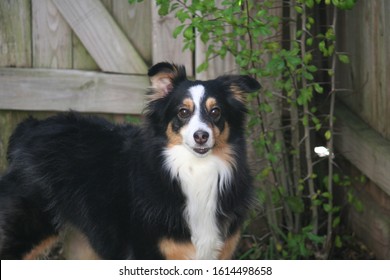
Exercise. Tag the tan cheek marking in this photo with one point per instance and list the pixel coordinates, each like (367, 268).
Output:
(222, 149)
(42, 248)
(173, 137)
(173, 250)
(229, 246)
(210, 103)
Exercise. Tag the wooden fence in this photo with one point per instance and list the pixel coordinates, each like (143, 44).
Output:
(89, 56)
(92, 56)
(364, 117)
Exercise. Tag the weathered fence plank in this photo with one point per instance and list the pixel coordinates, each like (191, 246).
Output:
(82, 60)
(363, 147)
(165, 47)
(101, 36)
(136, 23)
(52, 37)
(365, 35)
(62, 90)
(15, 33)
(217, 65)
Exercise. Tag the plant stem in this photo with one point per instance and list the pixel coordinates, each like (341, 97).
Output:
(307, 138)
(294, 116)
(329, 233)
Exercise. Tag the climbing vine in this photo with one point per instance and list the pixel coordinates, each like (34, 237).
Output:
(294, 56)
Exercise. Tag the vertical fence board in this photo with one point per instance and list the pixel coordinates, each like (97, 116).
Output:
(136, 22)
(217, 65)
(365, 35)
(15, 35)
(15, 50)
(165, 47)
(101, 36)
(52, 37)
(108, 4)
(82, 60)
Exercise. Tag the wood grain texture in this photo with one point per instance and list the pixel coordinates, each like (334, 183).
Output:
(15, 33)
(363, 147)
(52, 37)
(165, 47)
(364, 35)
(103, 39)
(82, 60)
(62, 90)
(136, 22)
(217, 65)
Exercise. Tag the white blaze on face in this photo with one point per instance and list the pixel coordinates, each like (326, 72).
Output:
(195, 124)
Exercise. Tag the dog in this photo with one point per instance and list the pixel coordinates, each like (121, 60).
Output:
(176, 187)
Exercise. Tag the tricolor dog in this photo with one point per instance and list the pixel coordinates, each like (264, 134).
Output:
(176, 187)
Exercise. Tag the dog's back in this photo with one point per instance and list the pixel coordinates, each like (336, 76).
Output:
(55, 166)
(176, 187)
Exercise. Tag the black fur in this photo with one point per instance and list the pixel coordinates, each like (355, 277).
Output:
(108, 181)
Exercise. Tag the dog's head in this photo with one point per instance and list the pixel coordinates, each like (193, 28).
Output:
(203, 116)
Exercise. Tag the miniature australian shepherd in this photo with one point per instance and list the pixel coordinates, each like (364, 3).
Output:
(176, 187)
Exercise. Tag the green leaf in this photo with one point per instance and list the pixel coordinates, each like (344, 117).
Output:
(188, 33)
(202, 67)
(336, 222)
(296, 204)
(307, 58)
(316, 202)
(204, 36)
(178, 30)
(318, 88)
(305, 120)
(328, 135)
(344, 4)
(309, 3)
(305, 96)
(308, 75)
(182, 15)
(298, 9)
(326, 194)
(337, 241)
(327, 207)
(336, 178)
(344, 58)
(312, 68)
(164, 7)
(316, 238)
(293, 61)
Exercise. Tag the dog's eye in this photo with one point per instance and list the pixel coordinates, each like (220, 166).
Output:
(184, 113)
(215, 113)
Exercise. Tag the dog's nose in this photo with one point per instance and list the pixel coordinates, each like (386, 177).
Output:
(201, 137)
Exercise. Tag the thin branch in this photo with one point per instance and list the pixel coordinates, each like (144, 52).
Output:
(329, 230)
(308, 152)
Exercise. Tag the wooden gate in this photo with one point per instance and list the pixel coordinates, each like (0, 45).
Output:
(83, 35)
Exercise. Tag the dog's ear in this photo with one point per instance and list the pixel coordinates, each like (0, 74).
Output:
(163, 77)
(240, 85)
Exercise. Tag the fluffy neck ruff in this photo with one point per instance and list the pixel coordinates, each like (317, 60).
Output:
(201, 180)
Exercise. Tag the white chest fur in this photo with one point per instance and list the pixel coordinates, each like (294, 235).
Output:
(201, 179)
